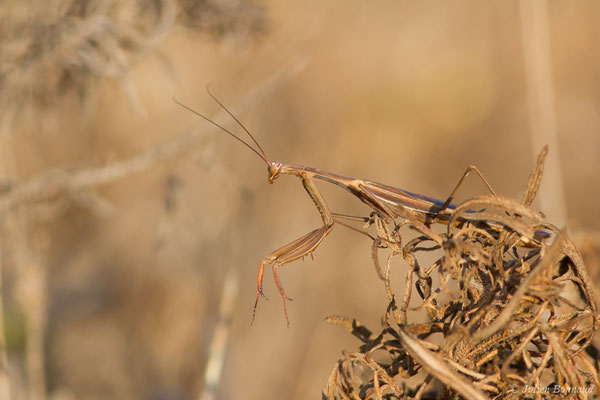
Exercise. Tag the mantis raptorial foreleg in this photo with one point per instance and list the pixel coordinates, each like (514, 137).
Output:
(297, 248)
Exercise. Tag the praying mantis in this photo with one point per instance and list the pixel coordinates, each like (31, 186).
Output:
(387, 202)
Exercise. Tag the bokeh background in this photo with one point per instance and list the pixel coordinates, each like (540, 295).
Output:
(113, 287)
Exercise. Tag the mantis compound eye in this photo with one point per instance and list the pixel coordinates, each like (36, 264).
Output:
(274, 170)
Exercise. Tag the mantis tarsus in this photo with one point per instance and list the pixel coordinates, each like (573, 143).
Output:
(388, 202)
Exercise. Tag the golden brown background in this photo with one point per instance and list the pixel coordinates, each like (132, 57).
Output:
(112, 289)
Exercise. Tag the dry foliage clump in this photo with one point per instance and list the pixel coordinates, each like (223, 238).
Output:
(510, 310)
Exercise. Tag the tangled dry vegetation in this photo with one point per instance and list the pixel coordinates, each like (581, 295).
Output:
(511, 313)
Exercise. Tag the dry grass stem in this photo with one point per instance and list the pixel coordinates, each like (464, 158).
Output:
(537, 54)
(220, 339)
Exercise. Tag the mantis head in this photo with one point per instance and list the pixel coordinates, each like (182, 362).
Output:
(274, 170)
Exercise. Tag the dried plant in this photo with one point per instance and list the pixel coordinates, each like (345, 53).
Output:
(511, 312)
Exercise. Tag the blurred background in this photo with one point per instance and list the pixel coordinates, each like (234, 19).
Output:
(132, 231)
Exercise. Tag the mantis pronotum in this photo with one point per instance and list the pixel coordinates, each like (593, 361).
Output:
(388, 203)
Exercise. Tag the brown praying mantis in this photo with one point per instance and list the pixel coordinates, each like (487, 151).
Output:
(387, 202)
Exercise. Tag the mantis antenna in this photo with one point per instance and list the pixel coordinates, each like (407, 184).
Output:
(262, 154)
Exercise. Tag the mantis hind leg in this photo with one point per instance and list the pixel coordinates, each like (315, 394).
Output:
(470, 168)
